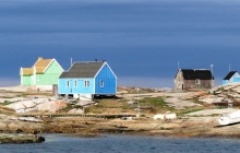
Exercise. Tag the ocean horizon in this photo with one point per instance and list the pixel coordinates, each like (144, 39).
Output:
(141, 82)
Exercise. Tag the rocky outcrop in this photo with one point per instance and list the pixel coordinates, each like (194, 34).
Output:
(20, 138)
(35, 105)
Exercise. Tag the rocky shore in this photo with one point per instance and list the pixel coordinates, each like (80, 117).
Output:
(92, 127)
(14, 138)
(196, 114)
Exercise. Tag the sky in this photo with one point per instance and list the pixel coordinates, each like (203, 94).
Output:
(144, 42)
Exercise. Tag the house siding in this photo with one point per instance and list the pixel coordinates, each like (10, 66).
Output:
(26, 80)
(203, 85)
(191, 85)
(48, 78)
(109, 80)
(63, 88)
(179, 81)
(51, 75)
(234, 79)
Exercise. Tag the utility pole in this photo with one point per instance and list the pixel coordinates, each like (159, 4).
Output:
(178, 65)
(71, 60)
(212, 74)
(138, 109)
(211, 68)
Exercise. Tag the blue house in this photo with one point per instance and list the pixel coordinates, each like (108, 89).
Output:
(88, 78)
(231, 77)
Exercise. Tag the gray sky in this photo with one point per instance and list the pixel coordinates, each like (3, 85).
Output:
(142, 40)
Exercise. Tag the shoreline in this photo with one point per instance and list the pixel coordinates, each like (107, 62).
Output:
(195, 118)
(92, 127)
(20, 138)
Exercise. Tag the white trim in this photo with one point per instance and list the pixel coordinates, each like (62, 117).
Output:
(70, 67)
(21, 75)
(51, 63)
(105, 63)
(86, 83)
(94, 85)
(58, 85)
(116, 85)
(112, 71)
(21, 71)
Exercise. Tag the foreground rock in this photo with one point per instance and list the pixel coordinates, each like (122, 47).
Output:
(93, 127)
(20, 138)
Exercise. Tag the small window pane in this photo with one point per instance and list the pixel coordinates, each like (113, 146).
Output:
(87, 83)
(101, 83)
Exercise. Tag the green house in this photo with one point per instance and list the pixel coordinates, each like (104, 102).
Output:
(43, 74)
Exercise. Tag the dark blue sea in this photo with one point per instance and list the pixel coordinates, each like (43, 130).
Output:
(125, 144)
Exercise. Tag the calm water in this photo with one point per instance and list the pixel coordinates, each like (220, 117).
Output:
(125, 144)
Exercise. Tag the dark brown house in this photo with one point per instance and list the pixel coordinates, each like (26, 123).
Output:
(190, 79)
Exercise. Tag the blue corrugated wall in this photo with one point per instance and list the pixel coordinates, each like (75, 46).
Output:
(109, 81)
(75, 88)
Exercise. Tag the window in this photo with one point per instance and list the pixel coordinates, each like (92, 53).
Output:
(102, 83)
(197, 81)
(68, 83)
(87, 83)
(75, 83)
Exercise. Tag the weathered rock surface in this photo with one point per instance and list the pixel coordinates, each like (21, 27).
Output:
(20, 138)
(34, 105)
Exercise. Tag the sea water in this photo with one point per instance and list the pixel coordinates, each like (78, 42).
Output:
(56, 143)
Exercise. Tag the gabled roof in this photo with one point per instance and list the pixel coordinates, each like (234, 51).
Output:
(27, 71)
(83, 70)
(40, 66)
(201, 74)
(229, 75)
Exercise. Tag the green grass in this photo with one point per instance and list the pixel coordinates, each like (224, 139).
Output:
(157, 104)
(6, 103)
(108, 103)
(188, 110)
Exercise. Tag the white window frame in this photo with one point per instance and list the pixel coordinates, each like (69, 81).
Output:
(102, 83)
(87, 83)
(75, 83)
(68, 83)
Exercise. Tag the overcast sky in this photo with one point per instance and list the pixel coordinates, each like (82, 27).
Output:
(143, 41)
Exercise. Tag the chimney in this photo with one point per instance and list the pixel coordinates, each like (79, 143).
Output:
(40, 58)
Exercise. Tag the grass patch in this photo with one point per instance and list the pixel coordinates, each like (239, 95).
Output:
(188, 110)
(6, 103)
(156, 102)
(109, 106)
(108, 103)
(155, 105)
